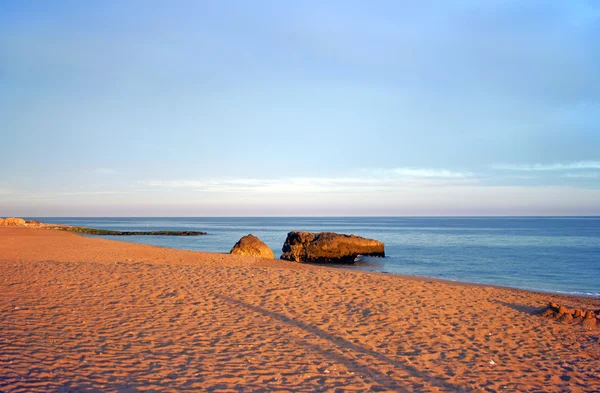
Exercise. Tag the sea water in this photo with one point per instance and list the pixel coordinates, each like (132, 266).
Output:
(553, 254)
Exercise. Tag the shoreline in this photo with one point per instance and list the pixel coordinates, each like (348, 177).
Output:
(528, 256)
(405, 276)
(448, 281)
(84, 313)
(335, 267)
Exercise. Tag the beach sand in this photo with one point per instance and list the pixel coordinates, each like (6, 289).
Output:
(93, 315)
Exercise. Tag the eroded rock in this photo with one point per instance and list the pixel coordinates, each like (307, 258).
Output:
(328, 247)
(13, 222)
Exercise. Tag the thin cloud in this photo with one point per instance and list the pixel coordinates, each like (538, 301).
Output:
(381, 182)
(107, 171)
(72, 194)
(551, 167)
(585, 175)
(430, 173)
(265, 185)
(92, 193)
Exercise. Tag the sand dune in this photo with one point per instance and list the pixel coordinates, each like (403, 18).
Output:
(92, 315)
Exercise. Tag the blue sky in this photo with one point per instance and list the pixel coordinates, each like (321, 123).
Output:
(235, 108)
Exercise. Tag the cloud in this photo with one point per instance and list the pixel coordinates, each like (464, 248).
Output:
(585, 175)
(107, 171)
(461, 200)
(67, 194)
(430, 173)
(551, 167)
(270, 186)
(76, 193)
(373, 180)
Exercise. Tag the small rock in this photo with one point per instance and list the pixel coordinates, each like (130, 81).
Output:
(563, 310)
(547, 312)
(589, 323)
(565, 318)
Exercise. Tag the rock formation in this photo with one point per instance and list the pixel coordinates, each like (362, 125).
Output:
(252, 246)
(328, 247)
(1, 221)
(13, 222)
(92, 231)
(33, 224)
(577, 316)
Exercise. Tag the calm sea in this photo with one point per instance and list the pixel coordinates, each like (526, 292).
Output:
(554, 254)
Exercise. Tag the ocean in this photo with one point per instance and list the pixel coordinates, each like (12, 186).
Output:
(550, 254)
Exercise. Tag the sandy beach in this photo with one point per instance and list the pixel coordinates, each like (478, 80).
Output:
(84, 314)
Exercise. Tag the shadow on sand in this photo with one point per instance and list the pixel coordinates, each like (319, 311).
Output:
(355, 351)
(529, 310)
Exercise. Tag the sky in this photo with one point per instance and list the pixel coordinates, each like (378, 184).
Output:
(308, 108)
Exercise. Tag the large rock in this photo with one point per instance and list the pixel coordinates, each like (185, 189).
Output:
(252, 246)
(1, 221)
(328, 247)
(13, 222)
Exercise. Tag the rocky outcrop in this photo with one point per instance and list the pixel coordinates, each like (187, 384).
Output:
(41, 225)
(328, 247)
(252, 246)
(92, 231)
(107, 232)
(33, 224)
(19, 222)
(13, 222)
(576, 316)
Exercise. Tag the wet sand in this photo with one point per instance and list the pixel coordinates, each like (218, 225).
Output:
(93, 315)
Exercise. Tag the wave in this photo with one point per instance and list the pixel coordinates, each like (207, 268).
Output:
(576, 293)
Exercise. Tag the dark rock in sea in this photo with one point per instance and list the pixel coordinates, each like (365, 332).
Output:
(328, 247)
(93, 231)
(252, 246)
(12, 221)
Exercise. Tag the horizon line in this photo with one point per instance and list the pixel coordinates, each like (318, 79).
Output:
(335, 216)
